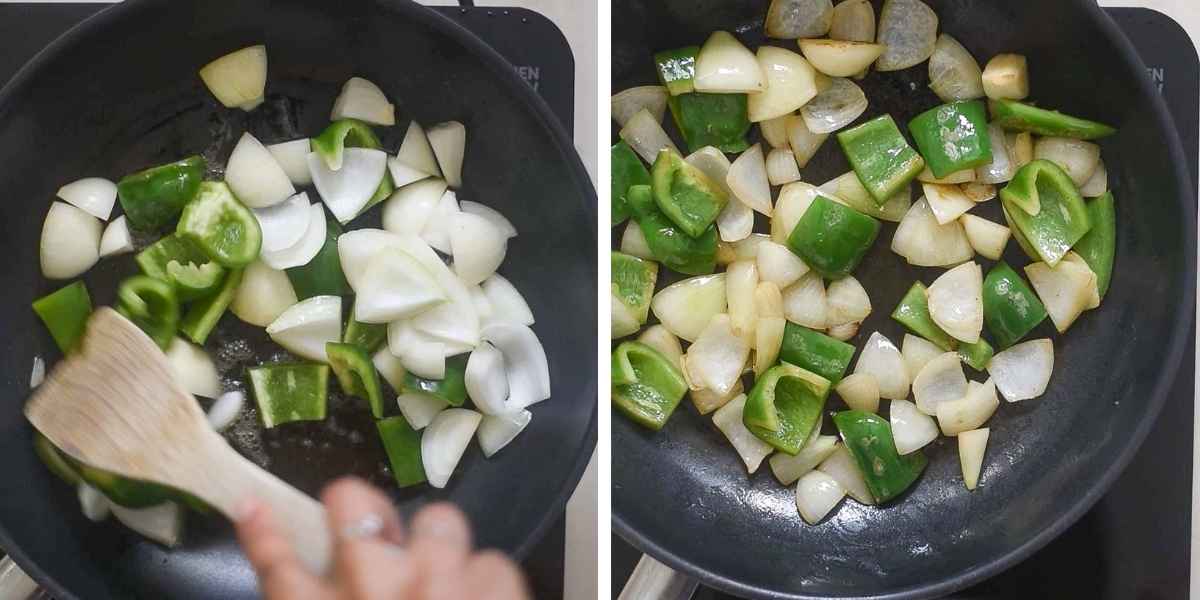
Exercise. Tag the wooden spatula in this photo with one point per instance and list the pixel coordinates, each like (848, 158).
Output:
(115, 405)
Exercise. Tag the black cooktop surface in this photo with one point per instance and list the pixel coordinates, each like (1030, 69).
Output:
(532, 43)
(1136, 542)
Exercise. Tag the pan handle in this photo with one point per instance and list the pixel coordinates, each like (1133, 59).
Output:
(652, 580)
(14, 583)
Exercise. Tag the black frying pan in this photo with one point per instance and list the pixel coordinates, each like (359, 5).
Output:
(120, 93)
(683, 496)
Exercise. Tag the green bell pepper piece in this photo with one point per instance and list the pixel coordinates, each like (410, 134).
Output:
(881, 157)
(403, 446)
(784, 406)
(814, 351)
(202, 316)
(673, 248)
(152, 198)
(322, 276)
(913, 313)
(1018, 116)
(342, 134)
(1099, 246)
(450, 388)
(356, 374)
(677, 69)
(54, 460)
(720, 120)
(65, 313)
(978, 355)
(151, 305)
(868, 437)
(633, 281)
(290, 392)
(368, 336)
(627, 170)
(832, 238)
(192, 281)
(154, 259)
(647, 386)
(685, 194)
(1023, 243)
(1061, 217)
(1010, 309)
(953, 137)
(221, 226)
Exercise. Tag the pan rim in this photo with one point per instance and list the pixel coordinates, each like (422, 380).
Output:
(1184, 315)
(507, 76)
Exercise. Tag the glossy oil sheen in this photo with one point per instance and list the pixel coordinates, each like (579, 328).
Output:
(121, 93)
(683, 494)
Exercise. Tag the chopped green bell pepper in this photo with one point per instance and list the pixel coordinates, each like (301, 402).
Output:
(784, 406)
(322, 276)
(720, 120)
(685, 194)
(881, 157)
(1099, 246)
(814, 351)
(1061, 217)
(913, 313)
(154, 259)
(152, 198)
(1010, 309)
(978, 355)
(65, 313)
(868, 437)
(342, 134)
(290, 392)
(633, 280)
(953, 137)
(192, 281)
(673, 248)
(450, 388)
(356, 374)
(832, 238)
(54, 460)
(151, 305)
(677, 69)
(217, 223)
(202, 316)
(647, 386)
(1018, 116)
(403, 446)
(368, 336)
(627, 171)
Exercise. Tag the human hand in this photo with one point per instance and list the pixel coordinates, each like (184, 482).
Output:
(376, 557)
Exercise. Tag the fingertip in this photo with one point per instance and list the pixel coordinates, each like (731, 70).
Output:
(342, 488)
(442, 521)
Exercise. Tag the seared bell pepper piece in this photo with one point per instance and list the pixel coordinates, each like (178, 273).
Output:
(450, 388)
(814, 351)
(356, 374)
(1010, 308)
(154, 259)
(290, 392)
(54, 460)
(221, 226)
(868, 437)
(65, 313)
(151, 305)
(192, 281)
(647, 386)
(671, 246)
(1018, 116)
(913, 313)
(403, 446)
(1099, 246)
(1045, 206)
(832, 238)
(881, 157)
(978, 355)
(685, 194)
(677, 69)
(368, 336)
(627, 170)
(633, 281)
(784, 406)
(719, 120)
(351, 133)
(953, 137)
(152, 198)
(322, 276)
(202, 316)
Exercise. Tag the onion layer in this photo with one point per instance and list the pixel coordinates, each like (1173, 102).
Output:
(263, 295)
(306, 327)
(791, 19)
(255, 176)
(1023, 371)
(924, 242)
(816, 495)
(804, 303)
(626, 104)
(788, 468)
(409, 209)
(779, 265)
(835, 107)
(444, 441)
(971, 447)
(645, 135)
(860, 391)
(956, 302)
(70, 242)
(449, 143)
(841, 466)
(881, 360)
(193, 369)
(94, 195)
(973, 410)
(790, 83)
(846, 301)
(715, 361)
(917, 352)
(363, 100)
(497, 431)
(293, 159)
(725, 66)
(728, 419)
(686, 307)
(940, 380)
(908, 30)
(747, 179)
(911, 429)
(954, 75)
(116, 238)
